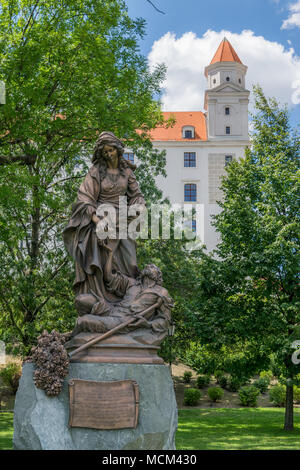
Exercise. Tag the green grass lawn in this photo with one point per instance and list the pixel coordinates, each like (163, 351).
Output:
(236, 429)
(219, 428)
(6, 430)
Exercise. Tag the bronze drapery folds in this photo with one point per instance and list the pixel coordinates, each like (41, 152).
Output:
(108, 286)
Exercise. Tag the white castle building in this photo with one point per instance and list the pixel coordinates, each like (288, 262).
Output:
(201, 144)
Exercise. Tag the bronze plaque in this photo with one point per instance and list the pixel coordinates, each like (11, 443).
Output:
(103, 405)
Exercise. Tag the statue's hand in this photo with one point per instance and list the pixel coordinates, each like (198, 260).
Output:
(95, 219)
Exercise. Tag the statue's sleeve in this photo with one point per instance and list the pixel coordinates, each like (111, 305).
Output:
(134, 193)
(79, 235)
(86, 203)
(162, 320)
(118, 284)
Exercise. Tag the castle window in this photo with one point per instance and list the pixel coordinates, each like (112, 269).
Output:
(227, 111)
(214, 81)
(189, 159)
(227, 79)
(240, 81)
(129, 157)
(190, 192)
(188, 134)
(227, 130)
(228, 159)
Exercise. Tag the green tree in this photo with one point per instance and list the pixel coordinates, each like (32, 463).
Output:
(72, 69)
(180, 267)
(249, 292)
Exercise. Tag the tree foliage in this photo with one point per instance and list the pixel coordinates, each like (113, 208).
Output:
(249, 291)
(72, 69)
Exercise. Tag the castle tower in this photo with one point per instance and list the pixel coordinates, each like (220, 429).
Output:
(226, 98)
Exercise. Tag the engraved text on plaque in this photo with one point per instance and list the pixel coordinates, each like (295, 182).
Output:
(103, 405)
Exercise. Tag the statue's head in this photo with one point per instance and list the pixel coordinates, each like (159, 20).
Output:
(152, 272)
(107, 139)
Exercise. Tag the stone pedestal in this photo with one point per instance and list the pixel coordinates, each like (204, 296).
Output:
(115, 349)
(41, 422)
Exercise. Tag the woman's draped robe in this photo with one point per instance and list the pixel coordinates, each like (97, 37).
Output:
(80, 234)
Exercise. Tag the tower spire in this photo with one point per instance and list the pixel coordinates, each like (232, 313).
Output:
(225, 53)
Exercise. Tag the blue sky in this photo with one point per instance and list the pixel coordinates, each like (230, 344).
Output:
(264, 17)
(264, 33)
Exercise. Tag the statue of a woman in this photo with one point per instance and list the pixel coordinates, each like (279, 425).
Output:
(110, 177)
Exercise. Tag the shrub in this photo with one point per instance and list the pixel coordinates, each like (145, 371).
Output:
(275, 369)
(266, 373)
(10, 376)
(192, 396)
(203, 381)
(215, 393)
(248, 395)
(277, 395)
(223, 381)
(187, 376)
(218, 374)
(297, 394)
(262, 384)
(234, 383)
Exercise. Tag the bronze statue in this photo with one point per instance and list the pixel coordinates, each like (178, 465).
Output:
(112, 297)
(138, 295)
(110, 177)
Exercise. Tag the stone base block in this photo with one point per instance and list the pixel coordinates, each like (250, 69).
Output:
(41, 422)
(115, 349)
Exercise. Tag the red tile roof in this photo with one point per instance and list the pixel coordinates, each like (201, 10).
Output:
(182, 118)
(225, 53)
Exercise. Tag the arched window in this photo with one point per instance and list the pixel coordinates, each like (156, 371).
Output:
(188, 132)
(190, 192)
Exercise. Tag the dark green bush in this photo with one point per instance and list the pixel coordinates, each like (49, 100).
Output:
(223, 381)
(187, 376)
(235, 383)
(10, 376)
(277, 395)
(248, 395)
(192, 396)
(218, 374)
(262, 384)
(203, 381)
(275, 369)
(215, 393)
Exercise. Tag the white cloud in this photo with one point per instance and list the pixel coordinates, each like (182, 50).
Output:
(271, 65)
(294, 18)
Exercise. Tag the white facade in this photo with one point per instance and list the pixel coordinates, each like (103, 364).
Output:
(210, 166)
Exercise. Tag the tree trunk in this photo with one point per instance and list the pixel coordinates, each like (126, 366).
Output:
(289, 415)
